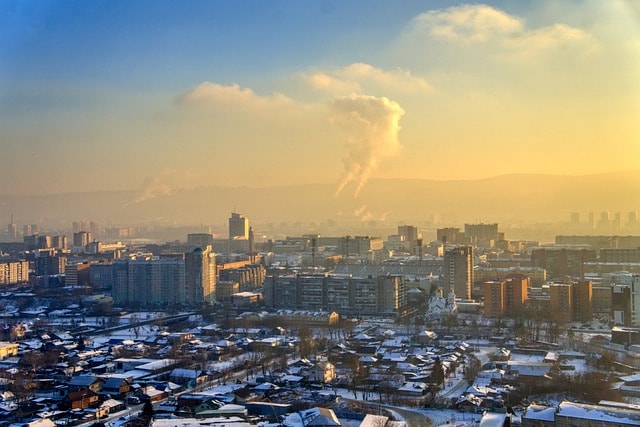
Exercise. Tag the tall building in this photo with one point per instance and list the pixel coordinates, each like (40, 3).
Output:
(410, 234)
(621, 305)
(14, 272)
(458, 271)
(149, 281)
(238, 227)
(575, 218)
(582, 301)
(344, 294)
(81, 238)
(505, 298)
(200, 276)
(200, 239)
(451, 236)
(482, 234)
(561, 302)
(494, 301)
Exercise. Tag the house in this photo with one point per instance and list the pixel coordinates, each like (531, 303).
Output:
(82, 399)
(8, 349)
(184, 376)
(319, 417)
(86, 382)
(539, 416)
(116, 387)
(322, 372)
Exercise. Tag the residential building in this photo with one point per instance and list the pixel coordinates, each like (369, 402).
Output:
(200, 276)
(458, 271)
(343, 294)
(561, 302)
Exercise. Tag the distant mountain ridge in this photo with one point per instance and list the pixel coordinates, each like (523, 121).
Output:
(512, 197)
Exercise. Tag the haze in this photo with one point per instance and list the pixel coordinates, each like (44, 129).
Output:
(156, 97)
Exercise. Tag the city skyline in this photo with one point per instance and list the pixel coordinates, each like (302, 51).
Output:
(161, 96)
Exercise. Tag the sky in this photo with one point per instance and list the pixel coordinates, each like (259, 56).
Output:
(159, 95)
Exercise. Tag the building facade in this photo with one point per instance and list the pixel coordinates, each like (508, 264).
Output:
(343, 294)
(458, 271)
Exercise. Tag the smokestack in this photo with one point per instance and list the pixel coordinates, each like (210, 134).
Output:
(420, 255)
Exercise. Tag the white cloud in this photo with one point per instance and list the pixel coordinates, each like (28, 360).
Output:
(213, 94)
(365, 78)
(475, 25)
(468, 23)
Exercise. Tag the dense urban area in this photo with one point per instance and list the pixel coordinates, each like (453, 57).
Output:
(107, 327)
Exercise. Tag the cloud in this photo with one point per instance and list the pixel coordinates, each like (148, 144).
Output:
(469, 23)
(213, 94)
(360, 77)
(373, 125)
(474, 25)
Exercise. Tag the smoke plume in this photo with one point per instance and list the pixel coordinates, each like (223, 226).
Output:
(372, 125)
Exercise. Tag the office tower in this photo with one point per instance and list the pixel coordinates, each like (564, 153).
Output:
(238, 227)
(200, 276)
(458, 271)
(591, 221)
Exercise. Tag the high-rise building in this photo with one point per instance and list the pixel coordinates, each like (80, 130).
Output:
(621, 312)
(13, 272)
(561, 302)
(410, 235)
(451, 236)
(343, 294)
(81, 238)
(149, 281)
(494, 303)
(200, 239)
(505, 298)
(582, 300)
(575, 218)
(458, 271)
(238, 227)
(200, 276)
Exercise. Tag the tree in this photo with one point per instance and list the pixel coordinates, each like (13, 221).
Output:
(472, 368)
(436, 379)
(147, 414)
